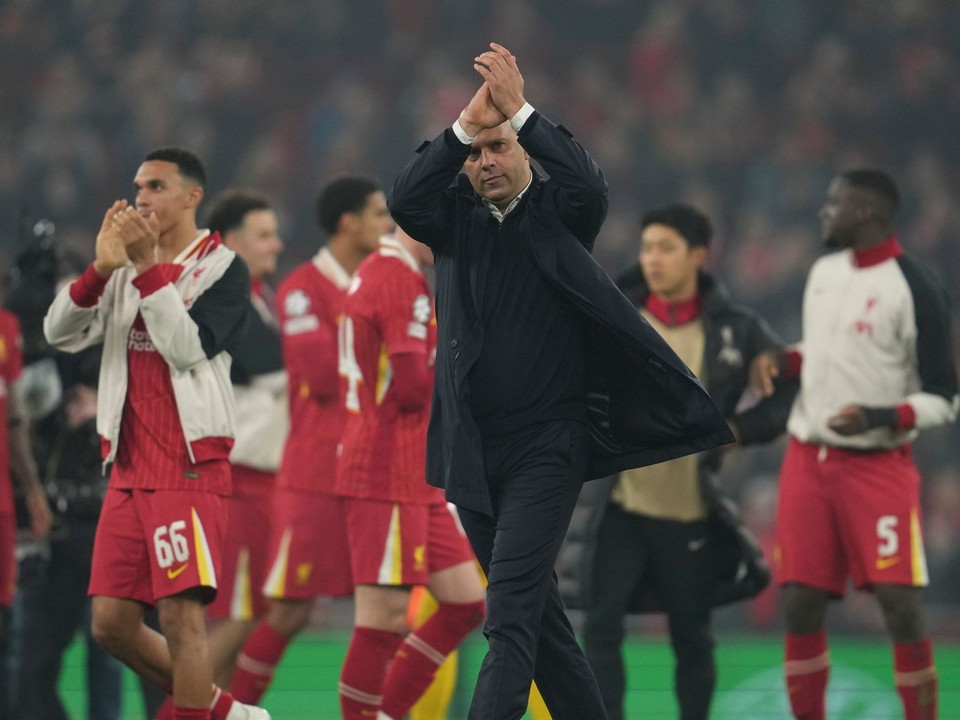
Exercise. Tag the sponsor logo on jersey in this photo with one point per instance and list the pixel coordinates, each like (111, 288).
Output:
(140, 341)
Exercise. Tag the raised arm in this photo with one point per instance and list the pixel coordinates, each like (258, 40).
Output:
(76, 317)
(582, 194)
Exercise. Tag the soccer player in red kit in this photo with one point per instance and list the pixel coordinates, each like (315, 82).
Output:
(876, 367)
(248, 225)
(15, 456)
(166, 300)
(401, 530)
(309, 556)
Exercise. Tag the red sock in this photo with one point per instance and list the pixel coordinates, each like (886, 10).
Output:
(220, 704)
(165, 711)
(363, 670)
(180, 713)
(256, 663)
(916, 679)
(807, 667)
(423, 651)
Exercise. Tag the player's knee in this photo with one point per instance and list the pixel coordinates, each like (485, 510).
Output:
(289, 617)
(393, 618)
(804, 609)
(113, 634)
(903, 614)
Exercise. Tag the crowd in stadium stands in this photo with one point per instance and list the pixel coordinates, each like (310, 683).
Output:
(745, 108)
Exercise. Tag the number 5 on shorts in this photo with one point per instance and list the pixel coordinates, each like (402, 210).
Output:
(887, 533)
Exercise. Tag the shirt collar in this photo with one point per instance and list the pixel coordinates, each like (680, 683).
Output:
(868, 257)
(674, 313)
(391, 247)
(328, 266)
(495, 211)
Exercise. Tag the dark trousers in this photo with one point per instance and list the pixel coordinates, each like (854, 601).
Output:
(54, 608)
(535, 479)
(671, 555)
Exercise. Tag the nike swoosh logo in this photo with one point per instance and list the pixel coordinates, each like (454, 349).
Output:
(884, 563)
(695, 545)
(174, 574)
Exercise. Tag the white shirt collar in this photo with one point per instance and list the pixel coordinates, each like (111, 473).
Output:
(495, 211)
(328, 266)
(391, 247)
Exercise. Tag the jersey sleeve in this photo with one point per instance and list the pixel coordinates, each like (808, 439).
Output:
(309, 342)
(405, 314)
(936, 401)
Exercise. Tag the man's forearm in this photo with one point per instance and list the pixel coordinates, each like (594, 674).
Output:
(23, 468)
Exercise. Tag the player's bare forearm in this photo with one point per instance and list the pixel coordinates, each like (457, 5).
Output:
(23, 469)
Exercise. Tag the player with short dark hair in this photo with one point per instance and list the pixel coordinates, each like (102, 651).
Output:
(166, 300)
(663, 538)
(876, 366)
(248, 225)
(309, 555)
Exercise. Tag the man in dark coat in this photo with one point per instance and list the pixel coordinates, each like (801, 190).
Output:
(662, 538)
(545, 375)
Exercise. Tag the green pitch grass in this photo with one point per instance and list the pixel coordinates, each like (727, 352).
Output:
(750, 684)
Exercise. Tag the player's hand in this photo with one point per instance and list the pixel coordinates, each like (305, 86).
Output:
(140, 237)
(39, 511)
(81, 406)
(498, 68)
(851, 420)
(480, 113)
(764, 370)
(110, 252)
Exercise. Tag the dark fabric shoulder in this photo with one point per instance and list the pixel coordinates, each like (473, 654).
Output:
(255, 351)
(220, 313)
(934, 333)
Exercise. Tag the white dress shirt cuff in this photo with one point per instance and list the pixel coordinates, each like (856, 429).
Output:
(461, 133)
(523, 114)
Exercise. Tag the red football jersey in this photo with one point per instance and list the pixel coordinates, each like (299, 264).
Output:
(310, 303)
(152, 452)
(11, 363)
(389, 311)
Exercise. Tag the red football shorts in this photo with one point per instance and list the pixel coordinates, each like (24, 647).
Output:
(400, 544)
(151, 544)
(245, 547)
(8, 558)
(308, 547)
(843, 512)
